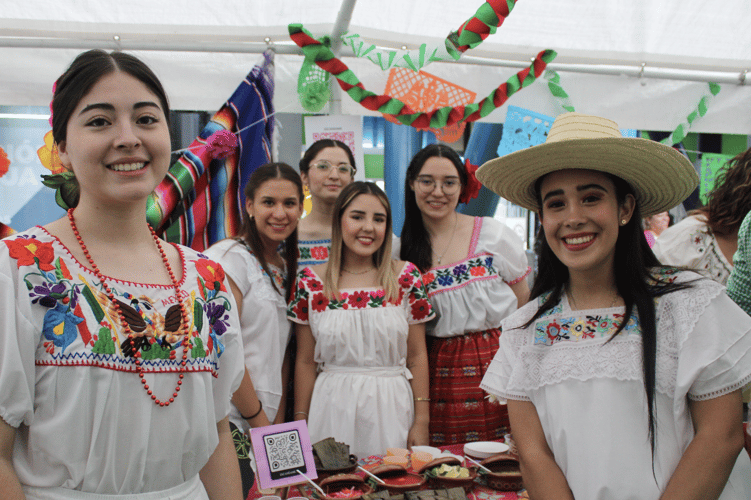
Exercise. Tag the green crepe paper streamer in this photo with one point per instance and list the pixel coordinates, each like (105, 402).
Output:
(701, 109)
(66, 188)
(416, 59)
(554, 84)
(323, 56)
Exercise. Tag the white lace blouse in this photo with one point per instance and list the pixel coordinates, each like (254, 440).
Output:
(589, 393)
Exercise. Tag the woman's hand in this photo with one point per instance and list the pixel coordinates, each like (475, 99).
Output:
(418, 434)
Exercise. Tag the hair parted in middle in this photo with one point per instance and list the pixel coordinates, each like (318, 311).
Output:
(320, 145)
(415, 240)
(249, 231)
(381, 258)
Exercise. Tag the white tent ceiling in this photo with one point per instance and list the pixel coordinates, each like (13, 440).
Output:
(208, 47)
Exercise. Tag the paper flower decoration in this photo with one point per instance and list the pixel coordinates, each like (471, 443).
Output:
(221, 144)
(472, 189)
(4, 162)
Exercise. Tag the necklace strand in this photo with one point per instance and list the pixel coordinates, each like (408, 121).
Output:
(445, 250)
(360, 272)
(124, 323)
(573, 303)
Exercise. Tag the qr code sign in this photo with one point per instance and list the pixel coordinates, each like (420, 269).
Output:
(284, 454)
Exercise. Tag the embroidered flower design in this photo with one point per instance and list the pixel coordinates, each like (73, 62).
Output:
(553, 330)
(29, 251)
(212, 274)
(460, 269)
(578, 327)
(300, 310)
(405, 280)
(445, 280)
(420, 309)
(319, 302)
(477, 271)
(358, 299)
(217, 317)
(320, 253)
(59, 326)
(314, 285)
(428, 278)
(48, 296)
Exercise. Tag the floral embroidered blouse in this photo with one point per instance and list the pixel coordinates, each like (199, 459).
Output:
(691, 243)
(587, 386)
(68, 380)
(475, 293)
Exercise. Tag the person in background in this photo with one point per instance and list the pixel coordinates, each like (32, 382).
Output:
(707, 239)
(474, 269)
(362, 370)
(654, 225)
(623, 377)
(259, 265)
(120, 352)
(326, 168)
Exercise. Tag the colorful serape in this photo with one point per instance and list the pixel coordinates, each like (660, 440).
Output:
(201, 200)
(459, 410)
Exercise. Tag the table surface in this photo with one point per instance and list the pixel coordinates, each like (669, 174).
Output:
(478, 491)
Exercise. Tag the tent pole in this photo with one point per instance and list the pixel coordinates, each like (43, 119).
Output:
(341, 25)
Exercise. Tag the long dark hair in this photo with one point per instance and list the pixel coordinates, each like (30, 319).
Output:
(635, 281)
(415, 240)
(249, 232)
(319, 145)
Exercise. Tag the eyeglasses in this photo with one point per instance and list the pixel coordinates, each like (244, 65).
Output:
(325, 166)
(427, 185)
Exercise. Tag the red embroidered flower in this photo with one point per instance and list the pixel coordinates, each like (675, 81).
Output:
(420, 309)
(319, 302)
(314, 285)
(553, 330)
(27, 251)
(320, 253)
(212, 273)
(300, 310)
(472, 189)
(358, 299)
(405, 280)
(477, 271)
(428, 278)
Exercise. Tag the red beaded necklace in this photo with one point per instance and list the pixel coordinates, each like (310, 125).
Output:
(124, 323)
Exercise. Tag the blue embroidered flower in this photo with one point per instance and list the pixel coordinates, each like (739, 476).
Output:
(444, 280)
(59, 326)
(460, 270)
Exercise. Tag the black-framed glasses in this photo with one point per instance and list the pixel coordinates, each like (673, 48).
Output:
(325, 166)
(427, 184)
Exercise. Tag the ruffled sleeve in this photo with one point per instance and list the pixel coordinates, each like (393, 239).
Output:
(714, 356)
(298, 308)
(507, 366)
(419, 309)
(510, 258)
(18, 340)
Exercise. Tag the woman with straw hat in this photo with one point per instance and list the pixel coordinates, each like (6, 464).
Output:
(622, 376)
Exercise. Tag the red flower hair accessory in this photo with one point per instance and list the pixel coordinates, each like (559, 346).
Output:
(221, 144)
(54, 88)
(472, 189)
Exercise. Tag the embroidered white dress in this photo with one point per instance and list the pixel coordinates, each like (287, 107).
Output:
(691, 243)
(589, 393)
(68, 379)
(362, 396)
(264, 324)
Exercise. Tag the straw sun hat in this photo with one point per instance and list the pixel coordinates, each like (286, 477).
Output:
(660, 176)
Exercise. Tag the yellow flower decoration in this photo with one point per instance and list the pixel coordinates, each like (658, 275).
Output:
(307, 203)
(48, 155)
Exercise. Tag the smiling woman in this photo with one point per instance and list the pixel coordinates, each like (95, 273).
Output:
(360, 317)
(112, 328)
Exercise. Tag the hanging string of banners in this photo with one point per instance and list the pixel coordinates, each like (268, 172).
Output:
(701, 109)
(436, 118)
(486, 20)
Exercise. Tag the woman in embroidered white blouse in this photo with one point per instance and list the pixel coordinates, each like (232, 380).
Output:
(622, 380)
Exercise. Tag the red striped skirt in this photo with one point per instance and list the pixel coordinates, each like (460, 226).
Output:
(459, 411)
